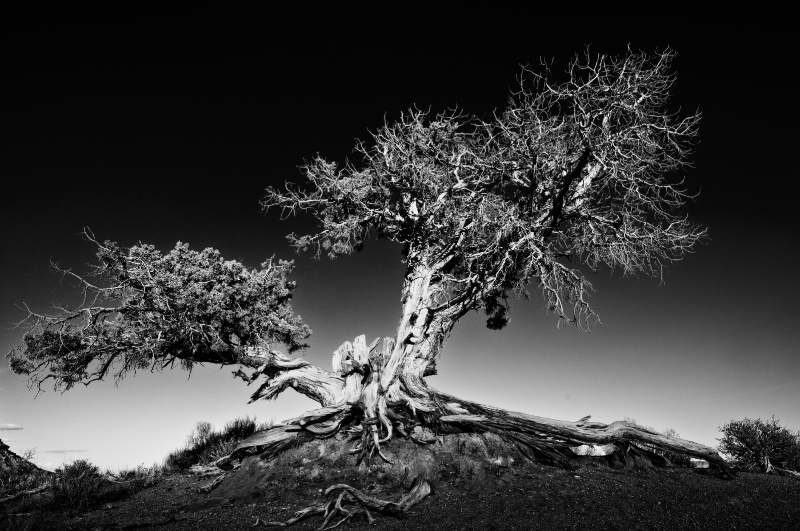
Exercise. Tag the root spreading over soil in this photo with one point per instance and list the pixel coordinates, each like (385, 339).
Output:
(410, 471)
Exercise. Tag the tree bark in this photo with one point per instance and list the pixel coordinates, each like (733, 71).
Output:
(282, 371)
(423, 329)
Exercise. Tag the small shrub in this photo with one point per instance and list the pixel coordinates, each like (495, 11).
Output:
(219, 450)
(205, 445)
(201, 434)
(199, 439)
(760, 444)
(181, 459)
(239, 428)
(77, 486)
(139, 477)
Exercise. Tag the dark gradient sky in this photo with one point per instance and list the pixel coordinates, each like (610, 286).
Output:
(156, 128)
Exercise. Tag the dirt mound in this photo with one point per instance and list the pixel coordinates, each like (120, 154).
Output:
(512, 495)
(477, 462)
(311, 467)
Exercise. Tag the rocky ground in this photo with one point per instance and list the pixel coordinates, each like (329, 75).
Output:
(473, 488)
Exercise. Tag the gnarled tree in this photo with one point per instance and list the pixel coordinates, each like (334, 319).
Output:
(571, 176)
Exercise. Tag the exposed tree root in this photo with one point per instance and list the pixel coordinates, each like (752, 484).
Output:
(360, 397)
(548, 436)
(337, 494)
(375, 395)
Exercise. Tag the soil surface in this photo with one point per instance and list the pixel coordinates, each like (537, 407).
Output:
(473, 488)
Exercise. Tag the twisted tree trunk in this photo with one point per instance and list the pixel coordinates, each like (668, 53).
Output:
(353, 395)
(378, 392)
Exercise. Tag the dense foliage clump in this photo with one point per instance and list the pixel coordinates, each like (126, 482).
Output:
(144, 309)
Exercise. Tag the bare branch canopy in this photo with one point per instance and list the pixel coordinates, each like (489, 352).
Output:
(579, 171)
